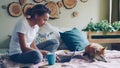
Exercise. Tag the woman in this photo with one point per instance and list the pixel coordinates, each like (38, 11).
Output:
(22, 47)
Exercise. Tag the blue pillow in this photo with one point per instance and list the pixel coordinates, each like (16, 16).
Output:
(74, 39)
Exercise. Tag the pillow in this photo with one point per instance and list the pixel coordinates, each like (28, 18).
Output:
(74, 39)
(50, 28)
(46, 30)
(41, 37)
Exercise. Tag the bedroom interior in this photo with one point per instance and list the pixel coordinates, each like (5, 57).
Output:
(64, 18)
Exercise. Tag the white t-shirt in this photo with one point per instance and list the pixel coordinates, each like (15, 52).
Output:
(22, 26)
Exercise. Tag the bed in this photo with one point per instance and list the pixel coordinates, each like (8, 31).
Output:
(112, 56)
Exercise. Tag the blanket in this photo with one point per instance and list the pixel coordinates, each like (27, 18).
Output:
(112, 56)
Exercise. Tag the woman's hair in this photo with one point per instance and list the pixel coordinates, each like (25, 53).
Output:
(38, 9)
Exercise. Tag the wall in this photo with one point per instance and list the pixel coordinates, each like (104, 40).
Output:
(96, 9)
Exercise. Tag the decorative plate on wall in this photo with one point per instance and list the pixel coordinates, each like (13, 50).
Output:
(4, 6)
(27, 6)
(37, 1)
(69, 3)
(60, 4)
(75, 13)
(15, 9)
(54, 9)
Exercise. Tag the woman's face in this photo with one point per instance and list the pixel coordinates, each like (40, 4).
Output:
(41, 20)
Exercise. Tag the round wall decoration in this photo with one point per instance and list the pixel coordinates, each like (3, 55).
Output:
(37, 1)
(69, 3)
(4, 6)
(15, 9)
(60, 4)
(54, 9)
(27, 6)
(75, 13)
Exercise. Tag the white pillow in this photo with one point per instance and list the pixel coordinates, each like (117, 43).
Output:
(41, 37)
(46, 30)
(49, 28)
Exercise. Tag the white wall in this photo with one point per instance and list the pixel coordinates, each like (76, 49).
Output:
(96, 9)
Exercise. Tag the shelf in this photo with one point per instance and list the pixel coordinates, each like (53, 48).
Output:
(100, 37)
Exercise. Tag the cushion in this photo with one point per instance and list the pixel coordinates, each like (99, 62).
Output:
(47, 32)
(74, 39)
(50, 28)
(41, 37)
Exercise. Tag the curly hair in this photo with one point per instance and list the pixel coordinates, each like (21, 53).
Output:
(39, 9)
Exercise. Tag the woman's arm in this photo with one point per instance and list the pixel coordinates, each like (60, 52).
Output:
(22, 41)
(44, 52)
(33, 45)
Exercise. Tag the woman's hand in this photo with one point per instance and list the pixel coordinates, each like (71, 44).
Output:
(44, 52)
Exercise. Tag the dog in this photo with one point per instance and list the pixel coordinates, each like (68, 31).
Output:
(95, 52)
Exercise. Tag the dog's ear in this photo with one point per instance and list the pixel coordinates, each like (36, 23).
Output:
(100, 51)
(105, 48)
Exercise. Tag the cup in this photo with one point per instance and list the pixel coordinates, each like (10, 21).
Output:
(51, 57)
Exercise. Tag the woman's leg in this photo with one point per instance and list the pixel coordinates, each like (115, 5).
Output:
(30, 57)
(49, 45)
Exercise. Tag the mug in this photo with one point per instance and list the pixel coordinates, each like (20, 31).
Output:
(51, 58)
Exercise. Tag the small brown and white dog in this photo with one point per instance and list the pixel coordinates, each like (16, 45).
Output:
(95, 51)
